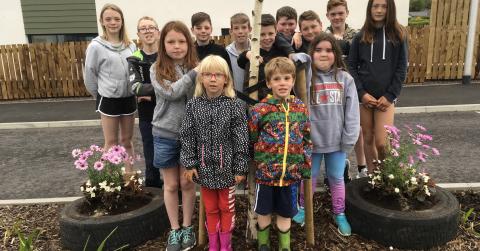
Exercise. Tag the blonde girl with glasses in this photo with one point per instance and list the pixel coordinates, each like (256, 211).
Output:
(214, 139)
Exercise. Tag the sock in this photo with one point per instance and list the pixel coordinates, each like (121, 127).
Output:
(360, 167)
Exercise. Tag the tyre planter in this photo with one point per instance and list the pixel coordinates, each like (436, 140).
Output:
(133, 228)
(421, 229)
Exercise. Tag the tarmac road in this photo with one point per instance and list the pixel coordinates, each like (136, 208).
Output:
(37, 163)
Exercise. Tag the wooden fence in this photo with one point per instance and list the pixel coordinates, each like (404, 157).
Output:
(47, 70)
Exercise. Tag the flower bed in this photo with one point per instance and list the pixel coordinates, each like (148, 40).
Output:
(45, 217)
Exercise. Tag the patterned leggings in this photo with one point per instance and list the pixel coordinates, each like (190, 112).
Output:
(219, 208)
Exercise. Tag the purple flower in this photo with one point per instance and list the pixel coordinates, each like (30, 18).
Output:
(98, 166)
(435, 151)
(426, 146)
(421, 128)
(95, 148)
(411, 161)
(115, 160)
(421, 156)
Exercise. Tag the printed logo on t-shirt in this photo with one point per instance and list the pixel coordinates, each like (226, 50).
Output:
(329, 93)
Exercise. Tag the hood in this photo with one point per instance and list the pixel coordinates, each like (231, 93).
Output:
(269, 99)
(232, 50)
(109, 45)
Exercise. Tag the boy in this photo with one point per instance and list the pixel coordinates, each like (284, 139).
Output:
(279, 121)
(286, 21)
(271, 46)
(202, 29)
(337, 13)
(310, 26)
(240, 31)
(139, 69)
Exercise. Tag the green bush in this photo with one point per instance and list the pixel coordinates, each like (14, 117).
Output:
(418, 21)
(417, 5)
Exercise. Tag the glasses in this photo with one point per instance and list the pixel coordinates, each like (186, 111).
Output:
(148, 29)
(210, 74)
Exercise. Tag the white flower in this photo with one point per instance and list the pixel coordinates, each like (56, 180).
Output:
(139, 172)
(397, 190)
(88, 183)
(92, 195)
(82, 189)
(425, 178)
(391, 176)
(372, 182)
(427, 191)
(119, 188)
(123, 170)
(140, 181)
(370, 175)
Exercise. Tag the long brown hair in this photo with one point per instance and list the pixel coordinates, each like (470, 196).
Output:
(393, 30)
(164, 66)
(123, 32)
(338, 63)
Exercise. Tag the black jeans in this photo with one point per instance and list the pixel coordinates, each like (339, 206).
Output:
(152, 174)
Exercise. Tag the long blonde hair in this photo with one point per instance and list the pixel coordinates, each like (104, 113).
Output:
(214, 63)
(123, 32)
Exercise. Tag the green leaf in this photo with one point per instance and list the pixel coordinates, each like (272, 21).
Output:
(466, 215)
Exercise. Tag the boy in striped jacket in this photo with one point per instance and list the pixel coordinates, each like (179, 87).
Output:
(280, 131)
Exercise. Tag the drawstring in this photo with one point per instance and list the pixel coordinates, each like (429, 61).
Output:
(203, 153)
(384, 46)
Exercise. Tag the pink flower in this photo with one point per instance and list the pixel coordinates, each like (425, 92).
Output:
(81, 164)
(435, 151)
(421, 128)
(426, 146)
(76, 152)
(411, 161)
(394, 153)
(115, 160)
(425, 137)
(421, 156)
(98, 166)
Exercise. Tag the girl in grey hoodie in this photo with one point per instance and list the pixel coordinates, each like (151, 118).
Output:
(106, 78)
(334, 118)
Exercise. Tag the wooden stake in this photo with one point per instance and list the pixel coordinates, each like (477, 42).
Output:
(253, 73)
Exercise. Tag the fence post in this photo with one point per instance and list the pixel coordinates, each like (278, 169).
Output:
(472, 23)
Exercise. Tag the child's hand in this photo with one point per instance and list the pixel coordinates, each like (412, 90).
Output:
(369, 101)
(297, 40)
(383, 104)
(239, 179)
(188, 174)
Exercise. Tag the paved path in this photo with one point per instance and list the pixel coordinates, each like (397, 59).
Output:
(36, 163)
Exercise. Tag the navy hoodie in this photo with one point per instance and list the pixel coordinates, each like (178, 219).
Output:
(380, 68)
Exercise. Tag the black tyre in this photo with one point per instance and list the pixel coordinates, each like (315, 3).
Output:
(407, 230)
(134, 228)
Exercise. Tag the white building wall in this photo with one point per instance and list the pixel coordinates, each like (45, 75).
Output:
(12, 29)
(221, 10)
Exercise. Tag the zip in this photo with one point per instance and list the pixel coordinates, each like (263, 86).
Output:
(287, 137)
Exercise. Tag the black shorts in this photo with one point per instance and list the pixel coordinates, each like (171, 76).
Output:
(274, 199)
(114, 107)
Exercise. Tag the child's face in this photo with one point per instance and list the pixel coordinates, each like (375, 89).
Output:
(267, 37)
(337, 16)
(310, 29)
(379, 10)
(176, 46)
(214, 82)
(240, 32)
(286, 26)
(281, 84)
(323, 56)
(112, 21)
(148, 32)
(202, 31)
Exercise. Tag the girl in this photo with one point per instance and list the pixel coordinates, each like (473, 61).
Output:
(334, 117)
(214, 140)
(106, 78)
(378, 63)
(173, 77)
(140, 63)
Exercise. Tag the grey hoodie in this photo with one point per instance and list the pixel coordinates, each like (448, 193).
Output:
(238, 73)
(334, 112)
(106, 69)
(170, 108)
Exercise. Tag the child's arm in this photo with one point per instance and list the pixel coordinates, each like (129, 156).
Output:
(240, 141)
(353, 63)
(282, 44)
(242, 60)
(188, 154)
(351, 126)
(175, 90)
(138, 87)
(394, 89)
(90, 74)
(307, 148)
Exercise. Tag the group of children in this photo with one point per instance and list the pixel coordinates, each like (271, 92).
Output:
(195, 129)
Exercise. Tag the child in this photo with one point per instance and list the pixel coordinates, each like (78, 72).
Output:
(202, 29)
(240, 31)
(271, 46)
(214, 138)
(337, 13)
(106, 79)
(334, 119)
(173, 77)
(286, 22)
(310, 26)
(280, 130)
(378, 63)
(139, 68)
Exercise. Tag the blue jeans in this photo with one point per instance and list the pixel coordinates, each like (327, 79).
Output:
(152, 174)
